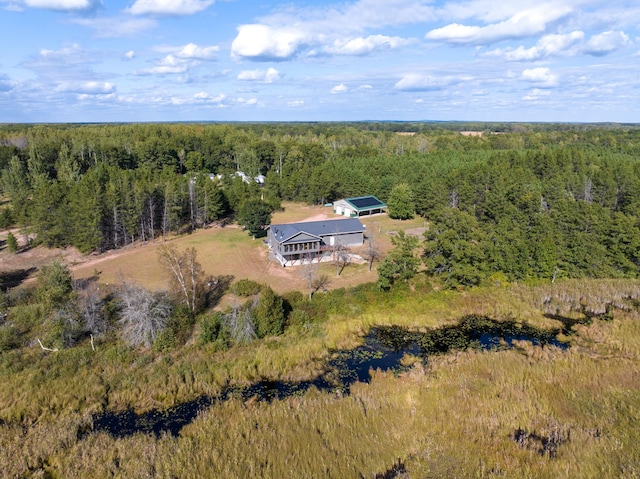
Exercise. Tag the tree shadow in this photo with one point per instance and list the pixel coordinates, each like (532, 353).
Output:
(217, 286)
(11, 279)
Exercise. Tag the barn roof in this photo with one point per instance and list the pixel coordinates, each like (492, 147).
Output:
(365, 203)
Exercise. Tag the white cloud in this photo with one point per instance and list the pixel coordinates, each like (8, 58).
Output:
(295, 103)
(262, 42)
(87, 87)
(547, 46)
(536, 94)
(206, 97)
(168, 7)
(541, 76)
(267, 76)
(605, 43)
(532, 21)
(247, 101)
(63, 5)
(180, 60)
(421, 82)
(342, 88)
(332, 29)
(191, 50)
(364, 46)
(130, 55)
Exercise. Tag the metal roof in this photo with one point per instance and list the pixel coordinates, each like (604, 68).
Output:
(318, 229)
(365, 202)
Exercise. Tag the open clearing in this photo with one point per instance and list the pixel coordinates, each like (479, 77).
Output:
(222, 251)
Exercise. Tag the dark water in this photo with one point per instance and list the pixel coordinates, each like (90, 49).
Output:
(383, 348)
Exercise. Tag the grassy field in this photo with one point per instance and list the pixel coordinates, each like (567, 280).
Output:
(231, 251)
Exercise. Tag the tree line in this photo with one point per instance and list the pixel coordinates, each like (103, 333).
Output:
(522, 201)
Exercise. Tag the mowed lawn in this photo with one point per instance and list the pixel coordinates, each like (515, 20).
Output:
(230, 251)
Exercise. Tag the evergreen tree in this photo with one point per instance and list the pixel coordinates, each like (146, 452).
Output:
(401, 264)
(254, 215)
(400, 203)
(12, 243)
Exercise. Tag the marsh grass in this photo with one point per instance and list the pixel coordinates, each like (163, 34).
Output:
(457, 416)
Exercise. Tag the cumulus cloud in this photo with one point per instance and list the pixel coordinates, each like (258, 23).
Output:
(420, 82)
(262, 42)
(193, 51)
(267, 76)
(541, 76)
(547, 46)
(532, 21)
(605, 43)
(342, 88)
(295, 103)
(181, 59)
(168, 7)
(365, 46)
(333, 29)
(130, 55)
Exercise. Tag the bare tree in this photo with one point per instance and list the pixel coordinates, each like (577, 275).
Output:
(372, 253)
(90, 306)
(143, 314)
(186, 274)
(310, 273)
(341, 257)
(239, 324)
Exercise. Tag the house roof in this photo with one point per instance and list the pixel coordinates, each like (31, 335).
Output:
(315, 229)
(365, 203)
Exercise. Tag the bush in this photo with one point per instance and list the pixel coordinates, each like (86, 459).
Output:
(165, 340)
(246, 287)
(212, 332)
(12, 243)
(55, 284)
(6, 218)
(9, 338)
(269, 314)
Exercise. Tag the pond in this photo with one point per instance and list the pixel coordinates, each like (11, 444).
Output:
(383, 349)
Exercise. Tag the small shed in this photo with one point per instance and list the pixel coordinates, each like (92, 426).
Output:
(359, 207)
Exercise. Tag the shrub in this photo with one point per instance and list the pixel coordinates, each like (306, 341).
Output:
(212, 332)
(165, 340)
(269, 314)
(246, 287)
(9, 338)
(12, 243)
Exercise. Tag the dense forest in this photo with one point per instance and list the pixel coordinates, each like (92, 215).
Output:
(515, 202)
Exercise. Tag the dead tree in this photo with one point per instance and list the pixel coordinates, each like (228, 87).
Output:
(185, 273)
(143, 314)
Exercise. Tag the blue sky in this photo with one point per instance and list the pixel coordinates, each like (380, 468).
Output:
(246, 60)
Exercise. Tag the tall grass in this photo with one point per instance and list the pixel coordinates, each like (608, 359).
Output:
(457, 416)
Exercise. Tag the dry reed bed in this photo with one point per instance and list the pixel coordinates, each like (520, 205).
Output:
(458, 417)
